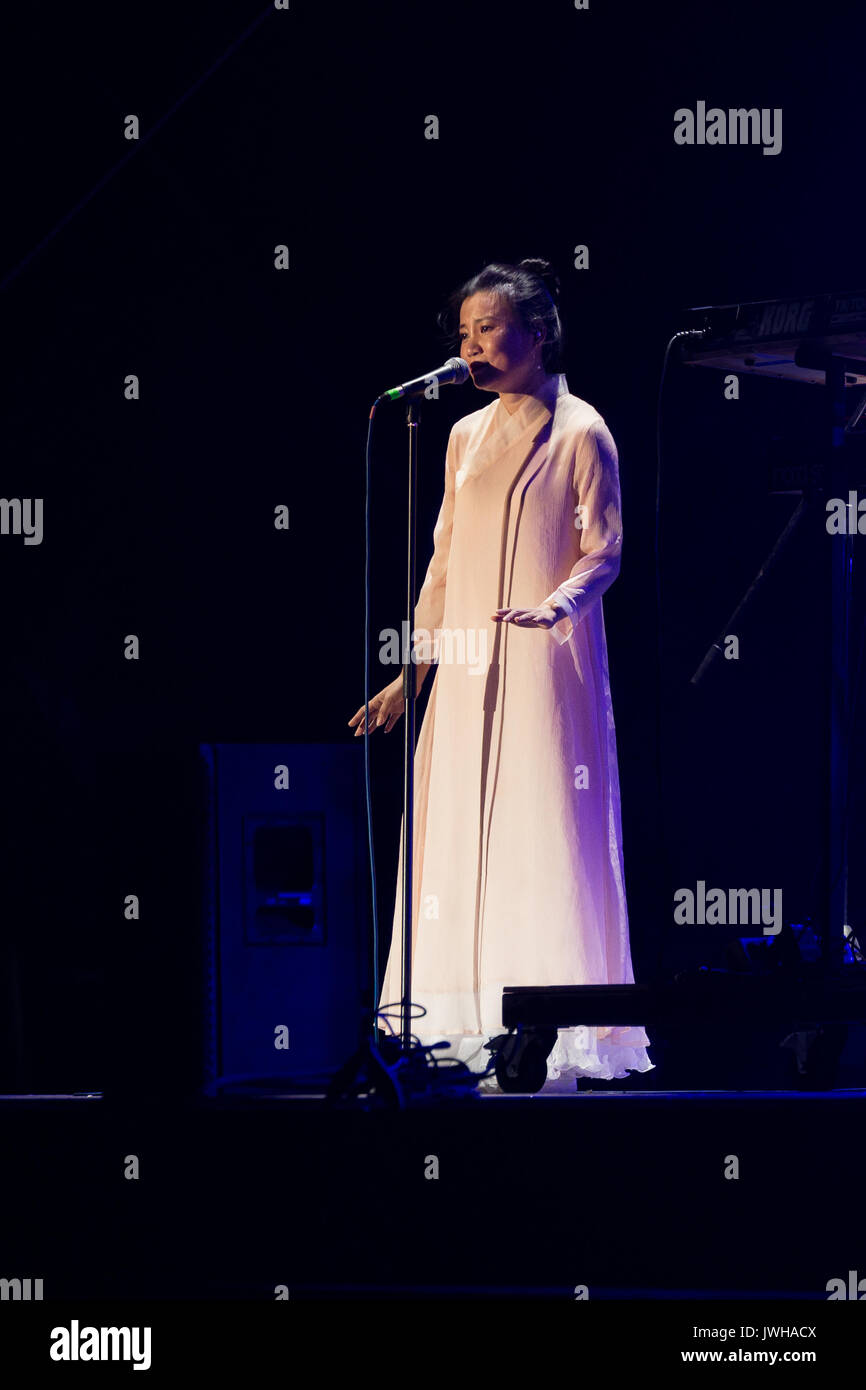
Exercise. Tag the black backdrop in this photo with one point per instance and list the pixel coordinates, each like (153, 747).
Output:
(306, 127)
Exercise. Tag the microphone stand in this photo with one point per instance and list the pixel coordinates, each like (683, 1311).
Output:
(409, 690)
(368, 1067)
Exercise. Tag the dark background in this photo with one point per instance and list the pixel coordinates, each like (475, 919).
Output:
(262, 127)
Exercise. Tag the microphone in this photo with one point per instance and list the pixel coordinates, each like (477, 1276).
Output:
(454, 373)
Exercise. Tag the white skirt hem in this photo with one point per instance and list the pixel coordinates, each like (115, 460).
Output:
(577, 1052)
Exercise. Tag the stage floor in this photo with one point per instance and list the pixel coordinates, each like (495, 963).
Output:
(631, 1194)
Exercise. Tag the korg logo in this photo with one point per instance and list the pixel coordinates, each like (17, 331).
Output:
(786, 318)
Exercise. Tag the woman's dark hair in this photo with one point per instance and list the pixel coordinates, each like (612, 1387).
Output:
(533, 288)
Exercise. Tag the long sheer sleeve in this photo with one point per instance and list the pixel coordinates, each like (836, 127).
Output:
(598, 509)
(430, 608)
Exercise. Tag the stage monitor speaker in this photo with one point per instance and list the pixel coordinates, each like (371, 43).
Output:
(287, 968)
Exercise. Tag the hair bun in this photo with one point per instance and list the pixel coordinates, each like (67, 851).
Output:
(545, 272)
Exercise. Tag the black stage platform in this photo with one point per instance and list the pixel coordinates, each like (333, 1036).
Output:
(626, 1194)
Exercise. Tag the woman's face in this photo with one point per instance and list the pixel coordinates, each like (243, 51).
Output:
(502, 354)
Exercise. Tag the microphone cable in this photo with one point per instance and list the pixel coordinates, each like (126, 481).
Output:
(368, 795)
(686, 333)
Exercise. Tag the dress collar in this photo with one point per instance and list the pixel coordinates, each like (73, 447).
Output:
(535, 409)
(500, 431)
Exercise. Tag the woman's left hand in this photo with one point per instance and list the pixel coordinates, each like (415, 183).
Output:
(545, 616)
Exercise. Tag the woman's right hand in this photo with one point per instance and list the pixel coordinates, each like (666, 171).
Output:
(385, 708)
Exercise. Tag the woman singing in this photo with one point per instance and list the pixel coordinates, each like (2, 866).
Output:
(518, 871)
